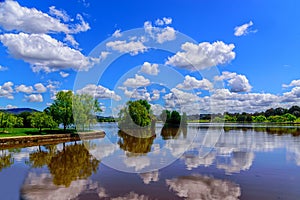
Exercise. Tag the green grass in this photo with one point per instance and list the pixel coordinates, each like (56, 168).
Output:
(13, 132)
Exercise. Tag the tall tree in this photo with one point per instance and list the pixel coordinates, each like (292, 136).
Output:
(85, 108)
(61, 109)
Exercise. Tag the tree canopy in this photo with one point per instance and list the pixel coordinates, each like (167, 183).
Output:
(135, 114)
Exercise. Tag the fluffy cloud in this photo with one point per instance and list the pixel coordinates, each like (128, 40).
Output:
(202, 56)
(137, 81)
(149, 68)
(239, 84)
(34, 98)
(132, 47)
(64, 74)
(179, 98)
(163, 21)
(236, 82)
(3, 68)
(37, 49)
(159, 34)
(30, 20)
(117, 33)
(204, 187)
(6, 90)
(40, 88)
(294, 83)
(243, 29)
(99, 92)
(190, 83)
(157, 109)
(25, 89)
(14, 17)
(140, 93)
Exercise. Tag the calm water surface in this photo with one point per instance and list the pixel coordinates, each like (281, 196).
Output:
(206, 162)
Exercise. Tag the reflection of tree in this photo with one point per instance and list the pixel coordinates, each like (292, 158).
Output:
(140, 144)
(295, 131)
(173, 132)
(6, 160)
(40, 158)
(72, 163)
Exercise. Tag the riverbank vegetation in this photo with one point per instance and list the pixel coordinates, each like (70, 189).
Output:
(71, 111)
(272, 115)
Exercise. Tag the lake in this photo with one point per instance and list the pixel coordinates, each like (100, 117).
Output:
(200, 161)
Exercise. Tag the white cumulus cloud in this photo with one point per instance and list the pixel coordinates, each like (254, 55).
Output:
(40, 88)
(99, 92)
(25, 89)
(6, 90)
(148, 68)
(137, 81)
(132, 47)
(44, 52)
(190, 83)
(34, 98)
(202, 56)
(236, 82)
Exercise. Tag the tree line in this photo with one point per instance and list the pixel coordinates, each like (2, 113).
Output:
(276, 115)
(68, 109)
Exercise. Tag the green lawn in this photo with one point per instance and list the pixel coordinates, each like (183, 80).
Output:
(12, 132)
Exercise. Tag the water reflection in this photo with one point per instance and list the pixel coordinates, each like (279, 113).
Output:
(203, 187)
(173, 132)
(136, 145)
(73, 170)
(149, 177)
(6, 159)
(41, 186)
(69, 164)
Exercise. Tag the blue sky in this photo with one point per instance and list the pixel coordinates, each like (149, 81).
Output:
(251, 47)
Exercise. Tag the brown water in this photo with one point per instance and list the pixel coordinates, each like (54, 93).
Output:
(241, 162)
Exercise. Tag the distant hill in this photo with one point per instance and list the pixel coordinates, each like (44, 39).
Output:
(18, 110)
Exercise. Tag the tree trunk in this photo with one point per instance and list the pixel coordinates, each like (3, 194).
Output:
(65, 128)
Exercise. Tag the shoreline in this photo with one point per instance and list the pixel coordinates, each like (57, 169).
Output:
(29, 141)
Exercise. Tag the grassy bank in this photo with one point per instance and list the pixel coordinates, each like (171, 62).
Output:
(14, 132)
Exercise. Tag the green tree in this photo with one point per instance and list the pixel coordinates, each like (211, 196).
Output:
(42, 120)
(85, 108)
(61, 109)
(289, 117)
(259, 118)
(136, 113)
(9, 121)
(26, 119)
